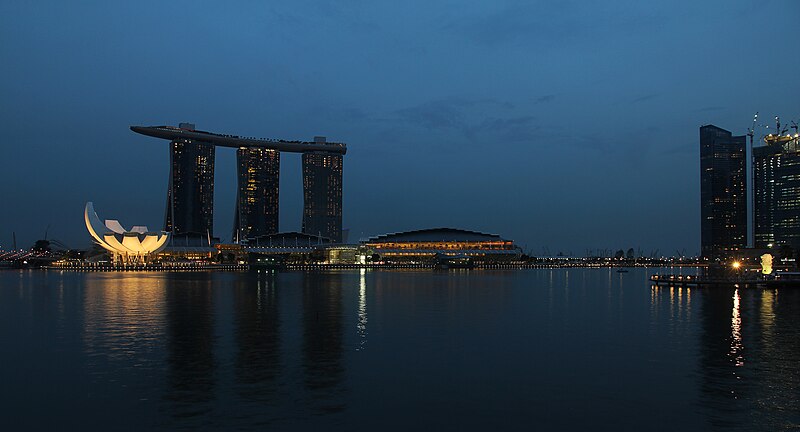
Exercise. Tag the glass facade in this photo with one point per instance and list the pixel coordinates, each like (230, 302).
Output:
(190, 196)
(723, 192)
(776, 181)
(189, 214)
(322, 195)
(257, 195)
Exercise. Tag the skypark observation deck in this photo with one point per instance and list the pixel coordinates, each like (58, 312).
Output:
(174, 133)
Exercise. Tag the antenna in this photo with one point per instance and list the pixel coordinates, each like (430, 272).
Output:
(749, 172)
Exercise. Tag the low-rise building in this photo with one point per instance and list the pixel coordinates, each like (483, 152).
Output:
(426, 244)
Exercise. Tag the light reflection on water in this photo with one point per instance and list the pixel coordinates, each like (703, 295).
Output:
(362, 309)
(461, 350)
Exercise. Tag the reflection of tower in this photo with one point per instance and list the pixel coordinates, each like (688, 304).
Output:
(322, 193)
(322, 334)
(723, 192)
(257, 332)
(748, 366)
(257, 197)
(190, 342)
(720, 355)
(190, 197)
(362, 309)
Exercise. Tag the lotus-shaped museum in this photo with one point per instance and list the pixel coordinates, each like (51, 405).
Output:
(128, 246)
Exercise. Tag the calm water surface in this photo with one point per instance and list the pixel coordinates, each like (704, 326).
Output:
(567, 349)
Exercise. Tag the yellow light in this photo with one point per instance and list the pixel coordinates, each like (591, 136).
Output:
(766, 264)
(736, 265)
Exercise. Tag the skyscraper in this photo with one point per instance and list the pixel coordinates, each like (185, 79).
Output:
(190, 197)
(257, 197)
(723, 192)
(776, 189)
(322, 193)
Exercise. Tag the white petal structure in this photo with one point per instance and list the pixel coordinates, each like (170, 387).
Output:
(129, 246)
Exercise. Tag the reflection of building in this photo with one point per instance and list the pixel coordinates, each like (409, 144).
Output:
(427, 243)
(190, 197)
(257, 327)
(322, 338)
(322, 194)
(776, 189)
(190, 345)
(723, 192)
(748, 373)
(257, 197)
(136, 245)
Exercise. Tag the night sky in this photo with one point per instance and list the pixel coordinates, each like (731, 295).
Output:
(567, 125)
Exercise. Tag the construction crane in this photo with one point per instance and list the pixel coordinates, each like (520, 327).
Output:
(751, 132)
(778, 126)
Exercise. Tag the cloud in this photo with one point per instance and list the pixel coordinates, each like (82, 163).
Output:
(505, 26)
(710, 108)
(645, 98)
(554, 22)
(544, 99)
(433, 115)
(512, 129)
(474, 119)
(450, 113)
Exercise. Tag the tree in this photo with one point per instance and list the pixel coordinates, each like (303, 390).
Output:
(631, 254)
(786, 251)
(41, 246)
(620, 254)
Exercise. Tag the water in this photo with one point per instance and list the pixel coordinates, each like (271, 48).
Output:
(566, 349)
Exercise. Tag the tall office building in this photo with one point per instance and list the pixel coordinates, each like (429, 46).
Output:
(257, 198)
(322, 193)
(723, 192)
(776, 189)
(190, 197)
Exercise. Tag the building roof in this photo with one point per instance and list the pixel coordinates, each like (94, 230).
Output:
(287, 239)
(173, 133)
(435, 235)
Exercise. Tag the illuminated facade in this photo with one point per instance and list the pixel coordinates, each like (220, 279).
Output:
(322, 194)
(776, 189)
(134, 246)
(257, 197)
(426, 244)
(723, 192)
(190, 196)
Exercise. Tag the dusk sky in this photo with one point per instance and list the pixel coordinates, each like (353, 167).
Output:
(568, 125)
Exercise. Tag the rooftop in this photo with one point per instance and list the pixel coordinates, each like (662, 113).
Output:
(225, 140)
(435, 235)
